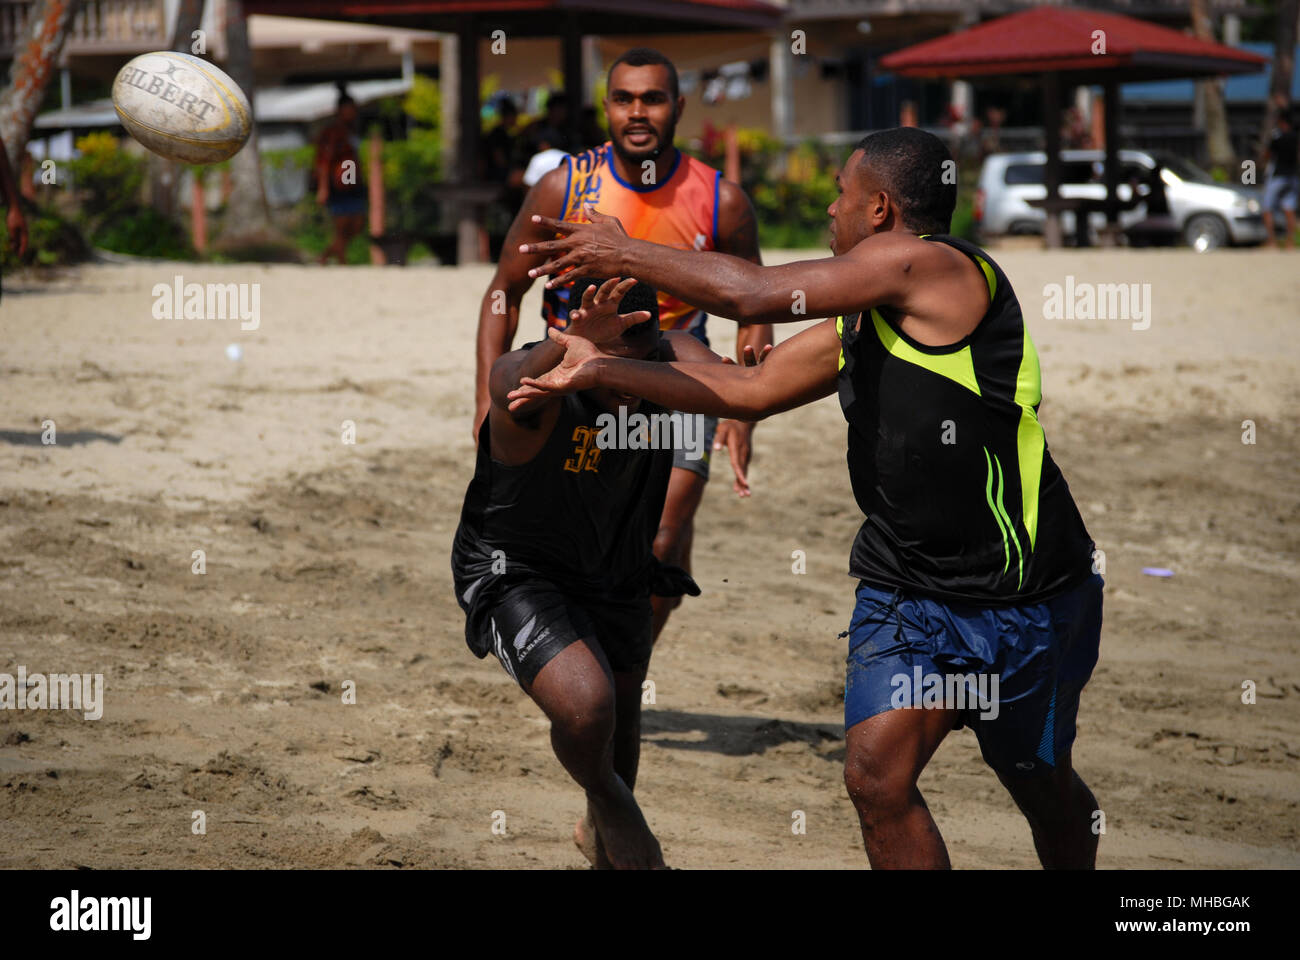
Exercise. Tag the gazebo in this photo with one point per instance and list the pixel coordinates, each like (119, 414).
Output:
(1071, 46)
(473, 20)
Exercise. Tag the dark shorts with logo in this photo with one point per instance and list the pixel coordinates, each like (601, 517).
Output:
(1040, 654)
(529, 621)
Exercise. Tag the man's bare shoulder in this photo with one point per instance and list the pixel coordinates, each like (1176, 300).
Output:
(912, 256)
(895, 243)
(549, 191)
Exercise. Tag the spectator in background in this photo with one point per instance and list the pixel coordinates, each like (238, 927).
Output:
(499, 154)
(546, 159)
(337, 171)
(991, 135)
(552, 130)
(1159, 225)
(547, 140)
(1075, 134)
(1282, 183)
(499, 144)
(589, 129)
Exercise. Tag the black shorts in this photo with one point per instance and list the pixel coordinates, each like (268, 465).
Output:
(529, 621)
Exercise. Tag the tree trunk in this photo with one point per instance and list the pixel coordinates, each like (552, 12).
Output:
(30, 72)
(165, 175)
(246, 213)
(1218, 144)
(1288, 12)
(189, 17)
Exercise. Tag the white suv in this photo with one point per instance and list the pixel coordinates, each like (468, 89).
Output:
(1207, 214)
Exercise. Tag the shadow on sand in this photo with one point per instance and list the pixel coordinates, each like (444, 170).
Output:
(66, 438)
(739, 736)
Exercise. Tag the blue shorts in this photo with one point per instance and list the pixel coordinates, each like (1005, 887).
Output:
(346, 205)
(1280, 193)
(1013, 674)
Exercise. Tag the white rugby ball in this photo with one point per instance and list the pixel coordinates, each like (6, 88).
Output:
(182, 107)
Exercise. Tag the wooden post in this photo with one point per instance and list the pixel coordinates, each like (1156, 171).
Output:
(1052, 169)
(198, 211)
(1112, 155)
(449, 101)
(376, 189)
(467, 226)
(1097, 123)
(731, 166)
(781, 89)
(573, 79)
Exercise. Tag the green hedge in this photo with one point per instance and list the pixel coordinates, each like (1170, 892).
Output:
(108, 181)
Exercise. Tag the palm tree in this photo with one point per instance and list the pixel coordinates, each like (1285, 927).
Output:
(1218, 145)
(247, 215)
(29, 74)
(164, 174)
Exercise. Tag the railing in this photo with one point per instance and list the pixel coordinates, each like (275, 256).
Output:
(100, 26)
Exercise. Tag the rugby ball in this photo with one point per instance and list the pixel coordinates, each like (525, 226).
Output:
(182, 107)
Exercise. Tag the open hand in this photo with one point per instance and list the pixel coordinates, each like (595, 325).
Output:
(577, 371)
(592, 249)
(598, 319)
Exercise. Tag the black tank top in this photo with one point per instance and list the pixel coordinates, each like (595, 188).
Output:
(949, 463)
(578, 516)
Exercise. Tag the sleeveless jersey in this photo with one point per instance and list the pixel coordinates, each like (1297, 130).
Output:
(949, 463)
(680, 212)
(578, 516)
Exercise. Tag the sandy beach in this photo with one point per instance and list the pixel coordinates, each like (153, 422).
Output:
(327, 570)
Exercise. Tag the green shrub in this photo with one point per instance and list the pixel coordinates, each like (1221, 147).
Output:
(51, 240)
(297, 158)
(791, 189)
(412, 171)
(144, 232)
(963, 218)
(312, 229)
(108, 182)
(413, 167)
(107, 177)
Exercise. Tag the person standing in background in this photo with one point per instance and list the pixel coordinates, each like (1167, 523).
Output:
(1282, 182)
(499, 154)
(339, 187)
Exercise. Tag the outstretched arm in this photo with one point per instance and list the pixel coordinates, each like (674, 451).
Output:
(879, 270)
(799, 371)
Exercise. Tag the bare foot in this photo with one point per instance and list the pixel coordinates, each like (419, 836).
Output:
(623, 832)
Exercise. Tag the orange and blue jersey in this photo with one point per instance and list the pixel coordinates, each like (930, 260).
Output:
(680, 212)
